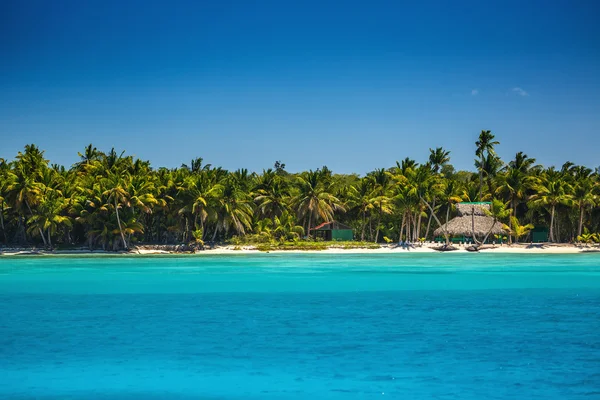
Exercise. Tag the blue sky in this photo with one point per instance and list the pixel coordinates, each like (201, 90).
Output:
(351, 85)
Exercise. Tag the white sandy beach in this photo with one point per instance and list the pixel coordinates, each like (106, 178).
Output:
(384, 249)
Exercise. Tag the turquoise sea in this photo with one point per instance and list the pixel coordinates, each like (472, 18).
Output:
(301, 326)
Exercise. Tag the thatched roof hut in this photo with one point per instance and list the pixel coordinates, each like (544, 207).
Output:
(472, 215)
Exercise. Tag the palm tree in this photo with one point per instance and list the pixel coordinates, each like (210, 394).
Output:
(314, 200)
(242, 179)
(498, 212)
(31, 161)
(286, 227)
(6, 179)
(518, 230)
(49, 218)
(272, 195)
(514, 182)
(235, 209)
(469, 192)
(425, 186)
(117, 197)
(89, 155)
(523, 163)
(418, 184)
(360, 198)
(24, 192)
(552, 191)
(485, 144)
(490, 168)
(405, 165)
(203, 193)
(585, 195)
(438, 158)
(196, 165)
(450, 196)
(381, 200)
(404, 201)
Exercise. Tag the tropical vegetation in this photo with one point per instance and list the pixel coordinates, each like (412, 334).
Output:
(113, 201)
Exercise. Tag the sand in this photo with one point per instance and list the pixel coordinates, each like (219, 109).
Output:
(384, 249)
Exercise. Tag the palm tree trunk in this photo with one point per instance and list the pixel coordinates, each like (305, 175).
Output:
(447, 219)
(2, 222)
(49, 239)
(513, 212)
(429, 220)
(40, 229)
(580, 227)
(473, 225)
(305, 226)
(415, 227)
(309, 223)
(378, 222)
(364, 225)
(186, 233)
(419, 226)
(552, 224)
(410, 228)
(119, 222)
(437, 219)
(481, 177)
(21, 230)
(490, 231)
(557, 233)
(401, 227)
(490, 184)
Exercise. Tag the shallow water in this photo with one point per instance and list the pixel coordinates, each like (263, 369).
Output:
(273, 326)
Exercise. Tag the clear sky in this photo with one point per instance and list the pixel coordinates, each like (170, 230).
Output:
(347, 84)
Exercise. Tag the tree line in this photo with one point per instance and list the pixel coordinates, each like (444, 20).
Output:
(112, 200)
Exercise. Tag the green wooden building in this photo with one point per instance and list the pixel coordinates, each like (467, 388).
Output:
(539, 234)
(333, 231)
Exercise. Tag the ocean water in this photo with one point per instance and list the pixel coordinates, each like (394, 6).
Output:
(300, 326)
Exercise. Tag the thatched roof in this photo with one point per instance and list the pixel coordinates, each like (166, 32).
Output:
(470, 214)
(472, 208)
(464, 226)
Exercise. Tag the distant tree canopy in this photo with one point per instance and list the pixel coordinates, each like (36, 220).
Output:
(112, 200)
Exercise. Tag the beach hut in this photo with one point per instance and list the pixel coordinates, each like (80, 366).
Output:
(333, 230)
(539, 235)
(472, 217)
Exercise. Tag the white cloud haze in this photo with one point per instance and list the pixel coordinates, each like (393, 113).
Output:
(520, 91)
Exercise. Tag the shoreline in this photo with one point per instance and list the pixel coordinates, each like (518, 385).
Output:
(383, 249)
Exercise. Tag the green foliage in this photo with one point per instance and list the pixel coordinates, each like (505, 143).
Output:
(198, 235)
(518, 230)
(110, 200)
(587, 237)
(314, 245)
